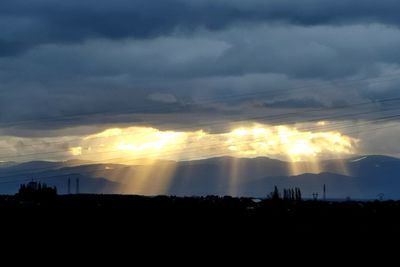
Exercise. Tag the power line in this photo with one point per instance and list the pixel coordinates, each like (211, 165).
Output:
(343, 116)
(209, 100)
(170, 153)
(96, 171)
(272, 118)
(276, 115)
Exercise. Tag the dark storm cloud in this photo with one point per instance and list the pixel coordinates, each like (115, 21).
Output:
(11, 48)
(122, 76)
(66, 64)
(296, 103)
(29, 23)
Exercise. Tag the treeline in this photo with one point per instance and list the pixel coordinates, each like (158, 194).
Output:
(288, 194)
(35, 190)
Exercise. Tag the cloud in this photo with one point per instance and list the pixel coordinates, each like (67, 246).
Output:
(212, 74)
(244, 141)
(10, 48)
(164, 98)
(296, 103)
(79, 67)
(151, 143)
(33, 23)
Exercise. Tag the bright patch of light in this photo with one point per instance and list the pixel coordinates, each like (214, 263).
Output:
(289, 142)
(76, 151)
(154, 140)
(283, 142)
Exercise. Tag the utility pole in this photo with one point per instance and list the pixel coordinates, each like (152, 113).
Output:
(69, 186)
(77, 185)
(324, 192)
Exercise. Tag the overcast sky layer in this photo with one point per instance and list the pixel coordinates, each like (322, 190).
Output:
(73, 68)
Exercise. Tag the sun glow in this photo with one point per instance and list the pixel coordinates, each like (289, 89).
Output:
(152, 141)
(288, 142)
(155, 152)
(282, 142)
(76, 151)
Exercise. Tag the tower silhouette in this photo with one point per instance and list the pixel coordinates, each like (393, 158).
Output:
(77, 185)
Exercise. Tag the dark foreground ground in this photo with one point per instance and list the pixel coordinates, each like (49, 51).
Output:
(192, 215)
(173, 225)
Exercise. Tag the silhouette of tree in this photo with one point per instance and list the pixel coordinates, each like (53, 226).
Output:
(275, 195)
(34, 190)
(289, 194)
(297, 194)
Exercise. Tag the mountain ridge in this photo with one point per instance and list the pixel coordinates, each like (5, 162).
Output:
(361, 176)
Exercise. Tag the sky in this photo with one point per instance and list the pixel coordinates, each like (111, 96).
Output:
(107, 79)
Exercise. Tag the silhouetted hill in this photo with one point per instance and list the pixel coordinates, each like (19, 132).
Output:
(76, 162)
(39, 166)
(5, 164)
(33, 166)
(359, 177)
(56, 174)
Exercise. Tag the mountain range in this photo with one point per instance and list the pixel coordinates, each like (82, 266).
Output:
(363, 177)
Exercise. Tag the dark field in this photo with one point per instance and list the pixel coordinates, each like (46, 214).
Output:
(195, 216)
